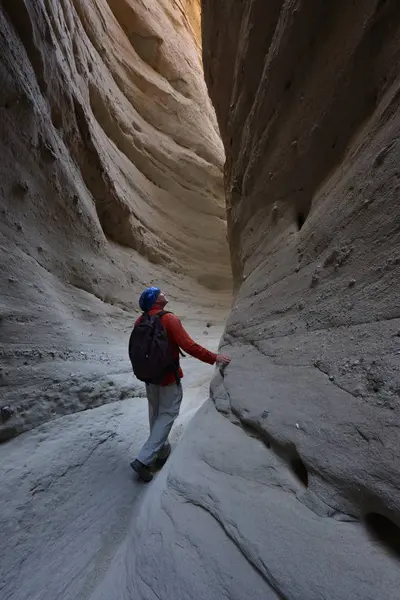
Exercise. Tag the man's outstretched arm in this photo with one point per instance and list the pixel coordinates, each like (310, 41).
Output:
(185, 342)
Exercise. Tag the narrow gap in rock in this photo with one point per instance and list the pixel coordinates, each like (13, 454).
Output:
(384, 531)
(300, 220)
(302, 208)
(299, 469)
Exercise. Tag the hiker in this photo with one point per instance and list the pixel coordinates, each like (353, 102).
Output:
(156, 342)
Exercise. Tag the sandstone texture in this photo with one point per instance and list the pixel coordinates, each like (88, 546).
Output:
(285, 485)
(111, 179)
(293, 469)
(68, 498)
(309, 116)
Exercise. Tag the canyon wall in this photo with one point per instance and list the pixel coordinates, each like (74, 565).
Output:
(309, 115)
(287, 485)
(111, 179)
(308, 102)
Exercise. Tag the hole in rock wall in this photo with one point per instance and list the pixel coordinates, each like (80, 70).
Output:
(302, 208)
(300, 220)
(384, 531)
(299, 469)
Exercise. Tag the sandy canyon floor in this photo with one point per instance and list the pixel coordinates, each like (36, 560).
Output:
(68, 495)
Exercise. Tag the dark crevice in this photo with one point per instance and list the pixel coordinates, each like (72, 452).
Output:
(21, 20)
(303, 208)
(384, 531)
(231, 533)
(300, 219)
(286, 452)
(299, 469)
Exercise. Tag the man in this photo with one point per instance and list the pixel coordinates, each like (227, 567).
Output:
(164, 399)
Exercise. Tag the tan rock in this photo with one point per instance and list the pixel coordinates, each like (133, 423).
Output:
(111, 179)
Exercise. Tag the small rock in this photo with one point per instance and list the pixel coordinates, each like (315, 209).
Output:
(265, 414)
(380, 157)
(47, 151)
(315, 278)
(352, 282)
(297, 426)
(22, 187)
(6, 412)
(331, 378)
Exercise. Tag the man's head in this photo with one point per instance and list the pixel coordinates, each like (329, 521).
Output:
(152, 297)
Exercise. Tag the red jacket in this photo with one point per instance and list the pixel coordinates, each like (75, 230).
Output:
(179, 338)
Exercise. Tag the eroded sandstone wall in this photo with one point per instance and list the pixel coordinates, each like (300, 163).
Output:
(117, 87)
(307, 96)
(111, 179)
(307, 100)
(286, 485)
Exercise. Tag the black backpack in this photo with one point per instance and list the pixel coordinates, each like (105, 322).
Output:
(150, 351)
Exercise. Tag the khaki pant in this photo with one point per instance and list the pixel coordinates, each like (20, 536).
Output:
(164, 404)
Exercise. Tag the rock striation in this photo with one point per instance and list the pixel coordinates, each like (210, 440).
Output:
(111, 179)
(286, 484)
(311, 133)
(292, 470)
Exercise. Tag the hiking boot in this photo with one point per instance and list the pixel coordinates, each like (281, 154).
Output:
(161, 460)
(142, 470)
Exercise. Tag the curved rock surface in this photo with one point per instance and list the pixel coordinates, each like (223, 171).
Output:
(111, 179)
(296, 482)
(286, 483)
(68, 497)
(312, 137)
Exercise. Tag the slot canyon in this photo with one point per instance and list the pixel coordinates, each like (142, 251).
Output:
(244, 156)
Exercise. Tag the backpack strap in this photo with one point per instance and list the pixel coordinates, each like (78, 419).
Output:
(168, 312)
(162, 313)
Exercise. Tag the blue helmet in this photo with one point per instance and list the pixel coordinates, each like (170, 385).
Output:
(149, 298)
